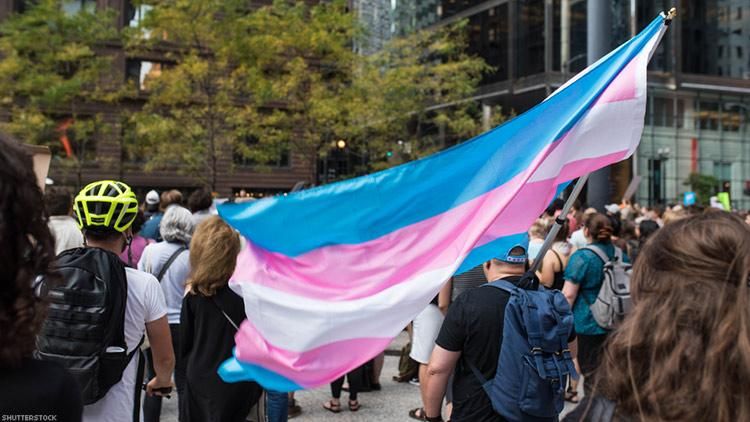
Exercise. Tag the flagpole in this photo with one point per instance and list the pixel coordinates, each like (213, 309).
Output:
(559, 221)
(562, 217)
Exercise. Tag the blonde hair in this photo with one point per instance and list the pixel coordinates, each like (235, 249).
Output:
(539, 229)
(213, 256)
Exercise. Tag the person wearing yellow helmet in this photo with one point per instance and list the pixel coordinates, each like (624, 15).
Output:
(105, 211)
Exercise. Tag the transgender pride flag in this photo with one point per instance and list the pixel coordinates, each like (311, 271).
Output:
(330, 275)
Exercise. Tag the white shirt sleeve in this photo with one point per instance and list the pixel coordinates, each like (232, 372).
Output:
(154, 302)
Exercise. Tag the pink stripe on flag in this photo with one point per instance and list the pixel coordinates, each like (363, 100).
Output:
(310, 368)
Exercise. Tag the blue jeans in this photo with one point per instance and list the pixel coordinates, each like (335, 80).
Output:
(277, 406)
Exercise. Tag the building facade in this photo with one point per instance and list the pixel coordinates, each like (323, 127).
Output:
(107, 157)
(698, 115)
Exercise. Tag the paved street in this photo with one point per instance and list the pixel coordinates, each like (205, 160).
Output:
(392, 403)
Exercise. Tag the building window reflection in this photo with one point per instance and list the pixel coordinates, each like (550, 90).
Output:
(530, 38)
(488, 38)
(143, 72)
(721, 32)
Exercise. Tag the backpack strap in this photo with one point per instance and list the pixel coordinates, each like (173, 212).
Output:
(138, 380)
(618, 255)
(169, 262)
(503, 285)
(213, 299)
(600, 253)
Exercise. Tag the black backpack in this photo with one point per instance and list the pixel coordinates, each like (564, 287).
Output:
(84, 329)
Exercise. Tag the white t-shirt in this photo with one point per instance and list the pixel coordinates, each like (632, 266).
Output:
(578, 239)
(145, 304)
(66, 232)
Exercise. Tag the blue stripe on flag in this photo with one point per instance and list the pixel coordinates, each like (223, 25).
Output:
(234, 370)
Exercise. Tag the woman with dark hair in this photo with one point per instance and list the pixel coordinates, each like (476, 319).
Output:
(29, 387)
(583, 279)
(643, 232)
(683, 352)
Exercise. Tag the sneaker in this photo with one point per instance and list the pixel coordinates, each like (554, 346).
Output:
(414, 381)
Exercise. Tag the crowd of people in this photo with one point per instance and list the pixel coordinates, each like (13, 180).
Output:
(78, 264)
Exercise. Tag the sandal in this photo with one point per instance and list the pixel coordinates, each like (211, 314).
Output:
(354, 405)
(571, 395)
(420, 415)
(332, 407)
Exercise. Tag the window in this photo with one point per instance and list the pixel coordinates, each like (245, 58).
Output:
(488, 38)
(134, 14)
(530, 39)
(707, 115)
(713, 43)
(71, 7)
(20, 6)
(244, 160)
(723, 172)
(143, 72)
(731, 117)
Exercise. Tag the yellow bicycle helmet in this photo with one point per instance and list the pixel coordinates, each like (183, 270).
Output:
(105, 206)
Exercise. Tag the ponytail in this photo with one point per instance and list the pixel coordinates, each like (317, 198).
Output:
(600, 228)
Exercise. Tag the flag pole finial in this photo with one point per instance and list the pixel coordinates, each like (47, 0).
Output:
(672, 13)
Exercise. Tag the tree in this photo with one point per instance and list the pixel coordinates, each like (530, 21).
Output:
(703, 185)
(393, 99)
(286, 77)
(416, 89)
(193, 113)
(52, 77)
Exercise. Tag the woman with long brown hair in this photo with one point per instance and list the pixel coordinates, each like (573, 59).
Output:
(211, 313)
(27, 249)
(683, 353)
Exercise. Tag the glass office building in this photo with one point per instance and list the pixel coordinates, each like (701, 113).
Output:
(698, 116)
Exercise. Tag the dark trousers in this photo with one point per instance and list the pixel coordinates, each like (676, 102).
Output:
(589, 354)
(152, 404)
(355, 383)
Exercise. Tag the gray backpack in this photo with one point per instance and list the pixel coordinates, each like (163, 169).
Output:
(613, 301)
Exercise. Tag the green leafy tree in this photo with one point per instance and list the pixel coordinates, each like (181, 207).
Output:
(286, 76)
(415, 92)
(404, 102)
(704, 186)
(52, 78)
(193, 113)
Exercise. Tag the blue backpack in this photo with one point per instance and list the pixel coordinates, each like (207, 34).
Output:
(534, 361)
